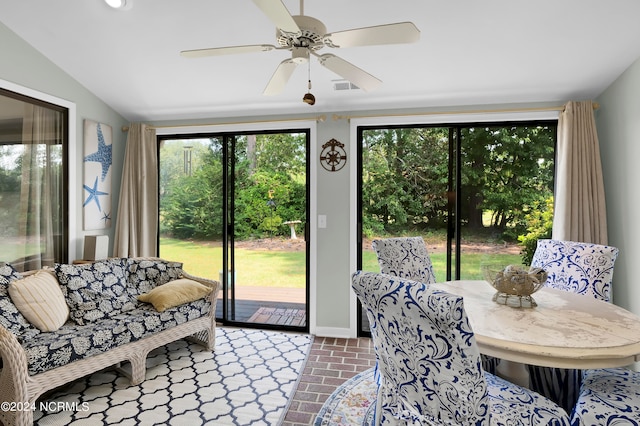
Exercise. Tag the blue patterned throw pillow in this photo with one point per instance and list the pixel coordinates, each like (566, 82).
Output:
(10, 317)
(95, 290)
(145, 274)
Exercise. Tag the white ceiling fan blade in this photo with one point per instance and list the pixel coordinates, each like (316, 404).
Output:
(280, 77)
(230, 50)
(350, 72)
(278, 13)
(401, 32)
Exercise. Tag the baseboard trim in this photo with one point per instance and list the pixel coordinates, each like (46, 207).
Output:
(344, 333)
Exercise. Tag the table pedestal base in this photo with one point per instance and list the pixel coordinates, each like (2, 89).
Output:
(515, 372)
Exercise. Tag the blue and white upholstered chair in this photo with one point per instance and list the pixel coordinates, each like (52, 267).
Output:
(429, 370)
(405, 257)
(408, 257)
(582, 268)
(609, 396)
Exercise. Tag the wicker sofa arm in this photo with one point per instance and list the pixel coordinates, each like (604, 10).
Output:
(13, 375)
(208, 338)
(215, 285)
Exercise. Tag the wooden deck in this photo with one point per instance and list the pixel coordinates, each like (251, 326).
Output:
(287, 306)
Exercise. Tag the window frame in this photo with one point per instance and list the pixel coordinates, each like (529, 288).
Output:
(69, 158)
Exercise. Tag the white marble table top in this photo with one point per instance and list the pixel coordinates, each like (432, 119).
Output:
(565, 330)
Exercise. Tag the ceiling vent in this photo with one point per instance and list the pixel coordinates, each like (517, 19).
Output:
(344, 85)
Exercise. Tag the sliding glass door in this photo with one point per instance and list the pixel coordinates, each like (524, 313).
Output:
(34, 187)
(234, 208)
(477, 194)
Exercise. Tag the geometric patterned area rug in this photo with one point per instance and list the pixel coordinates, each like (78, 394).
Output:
(248, 380)
(353, 403)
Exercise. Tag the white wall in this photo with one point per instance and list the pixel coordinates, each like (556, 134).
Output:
(24, 69)
(618, 124)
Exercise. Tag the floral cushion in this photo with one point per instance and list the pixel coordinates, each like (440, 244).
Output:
(144, 274)
(73, 342)
(10, 317)
(405, 257)
(96, 290)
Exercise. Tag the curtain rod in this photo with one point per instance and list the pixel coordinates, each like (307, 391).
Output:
(335, 117)
(478, 111)
(319, 118)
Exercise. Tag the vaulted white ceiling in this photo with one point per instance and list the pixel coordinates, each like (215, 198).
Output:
(471, 52)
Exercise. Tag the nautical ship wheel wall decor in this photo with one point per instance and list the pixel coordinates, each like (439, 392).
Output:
(333, 156)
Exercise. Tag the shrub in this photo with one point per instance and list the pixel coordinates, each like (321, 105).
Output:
(540, 225)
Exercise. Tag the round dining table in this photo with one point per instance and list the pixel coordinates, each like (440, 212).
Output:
(564, 330)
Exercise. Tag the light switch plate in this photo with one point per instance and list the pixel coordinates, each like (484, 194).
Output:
(322, 221)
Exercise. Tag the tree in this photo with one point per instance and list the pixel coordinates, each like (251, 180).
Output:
(189, 196)
(404, 177)
(191, 204)
(506, 169)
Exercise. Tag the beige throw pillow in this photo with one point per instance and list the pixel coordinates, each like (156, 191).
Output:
(175, 293)
(39, 299)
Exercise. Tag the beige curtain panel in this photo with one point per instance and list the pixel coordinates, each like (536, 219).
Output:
(41, 136)
(580, 209)
(136, 230)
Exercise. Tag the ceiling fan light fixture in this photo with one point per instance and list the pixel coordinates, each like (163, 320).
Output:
(308, 98)
(300, 55)
(119, 4)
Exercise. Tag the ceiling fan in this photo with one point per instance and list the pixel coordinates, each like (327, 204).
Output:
(304, 35)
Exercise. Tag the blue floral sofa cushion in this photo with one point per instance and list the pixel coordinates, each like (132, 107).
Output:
(144, 274)
(96, 290)
(10, 317)
(104, 311)
(73, 342)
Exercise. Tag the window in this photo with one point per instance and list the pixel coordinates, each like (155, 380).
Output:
(476, 193)
(33, 181)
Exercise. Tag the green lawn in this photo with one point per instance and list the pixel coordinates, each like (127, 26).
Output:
(472, 264)
(286, 268)
(266, 268)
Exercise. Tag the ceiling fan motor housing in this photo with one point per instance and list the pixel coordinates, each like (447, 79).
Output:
(311, 35)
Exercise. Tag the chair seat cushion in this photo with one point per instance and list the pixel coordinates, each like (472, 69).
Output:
(513, 405)
(609, 396)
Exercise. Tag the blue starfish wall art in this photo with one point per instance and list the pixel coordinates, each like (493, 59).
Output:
(97, 175)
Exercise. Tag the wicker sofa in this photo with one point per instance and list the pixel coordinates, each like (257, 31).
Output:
(106, 324)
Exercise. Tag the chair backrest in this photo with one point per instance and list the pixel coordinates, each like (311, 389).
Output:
(405, 257)
(429, 368)
(582, 268)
